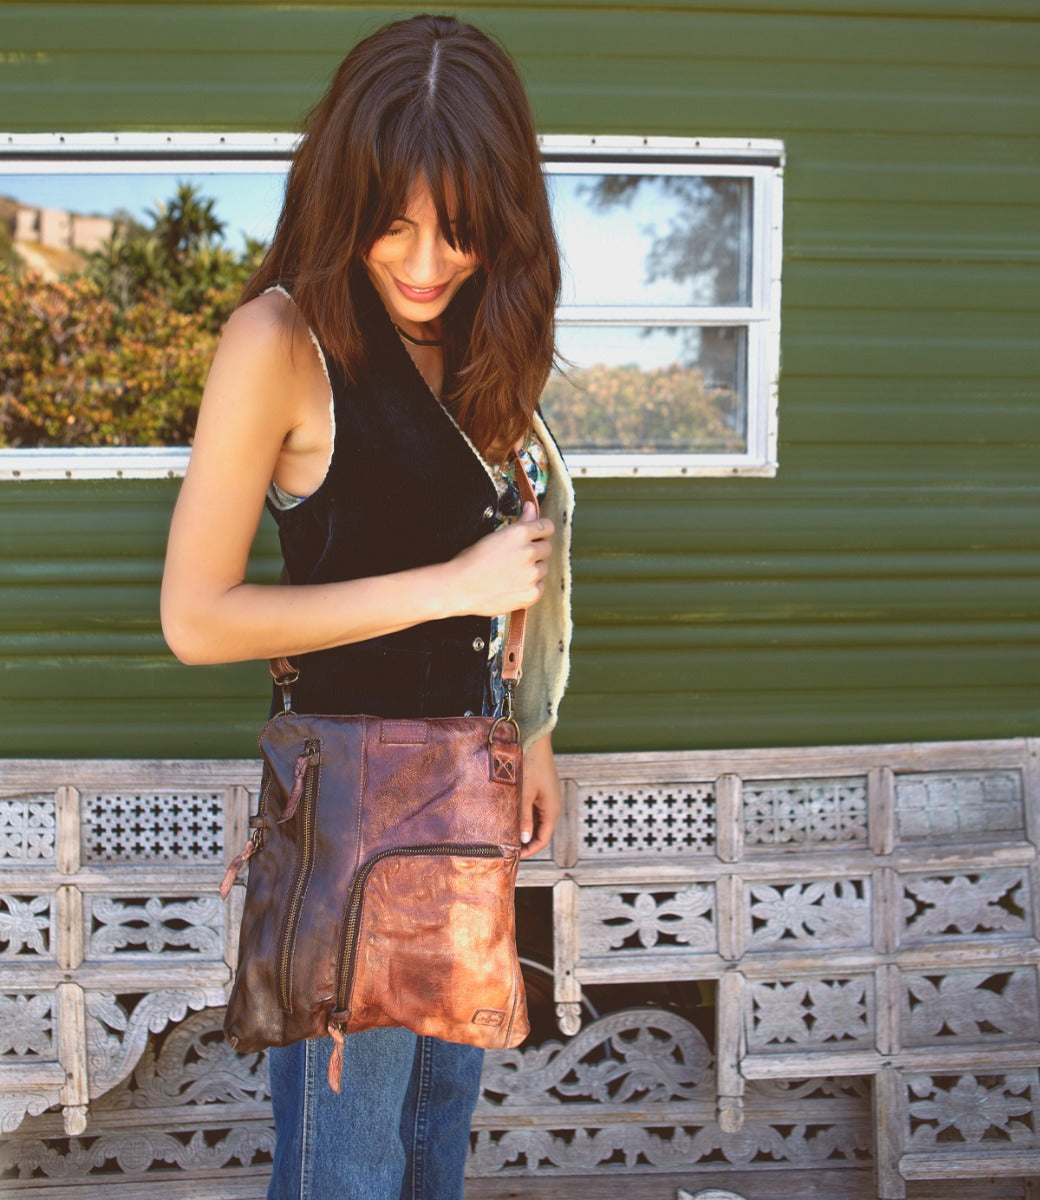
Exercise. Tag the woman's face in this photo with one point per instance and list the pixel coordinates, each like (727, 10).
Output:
(414, 269)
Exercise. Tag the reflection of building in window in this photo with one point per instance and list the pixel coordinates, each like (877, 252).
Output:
(53, 241)
(61, 230)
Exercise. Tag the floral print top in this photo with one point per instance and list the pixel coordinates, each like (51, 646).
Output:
(536, 467)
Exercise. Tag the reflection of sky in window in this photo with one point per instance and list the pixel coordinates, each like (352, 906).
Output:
(605, 249)
(615, 231)
(248, 204)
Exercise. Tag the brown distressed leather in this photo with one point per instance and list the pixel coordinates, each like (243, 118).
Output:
(412, 828)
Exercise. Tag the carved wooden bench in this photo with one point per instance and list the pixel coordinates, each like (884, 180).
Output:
(864, 911)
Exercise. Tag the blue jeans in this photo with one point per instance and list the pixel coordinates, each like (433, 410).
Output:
(398, 1129)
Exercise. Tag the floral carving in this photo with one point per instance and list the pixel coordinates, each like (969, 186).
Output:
(27, 1025)
(647, 1055)
(27, 828)
(117, 1029)
(971, 1004)
(195, 1065)
(974, 1109)
(660, 1064)
(831, 912)
(976, 902)
(805, 812)
(811, 1013)
(632, 920)
(16, 1106)
(156, 924)
(25, 925)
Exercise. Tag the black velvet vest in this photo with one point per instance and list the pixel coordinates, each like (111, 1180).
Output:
(404, 489)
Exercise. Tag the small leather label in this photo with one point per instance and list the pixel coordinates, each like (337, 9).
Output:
(404, 733)
(488, 1016)
(503, 767)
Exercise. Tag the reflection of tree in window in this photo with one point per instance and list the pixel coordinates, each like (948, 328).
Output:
(706, 242)
(699, 403)
(115, 352)
(181, 257)
(629, 408)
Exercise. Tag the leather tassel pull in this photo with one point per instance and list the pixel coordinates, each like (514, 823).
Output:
(308, 759)
(336, 1059)
(237, 863)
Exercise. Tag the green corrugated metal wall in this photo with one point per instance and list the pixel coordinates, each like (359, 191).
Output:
(883, 587)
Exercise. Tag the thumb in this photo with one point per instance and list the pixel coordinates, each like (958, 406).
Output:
(526, 816)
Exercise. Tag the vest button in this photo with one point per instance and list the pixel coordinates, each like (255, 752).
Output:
(479, 643)
(489, 512)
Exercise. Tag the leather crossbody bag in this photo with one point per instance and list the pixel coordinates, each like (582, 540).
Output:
(382, 868)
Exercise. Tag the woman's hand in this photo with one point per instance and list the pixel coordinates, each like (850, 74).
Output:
(541, 800)
(504, 570)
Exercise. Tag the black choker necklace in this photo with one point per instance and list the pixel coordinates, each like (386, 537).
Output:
(415, 341)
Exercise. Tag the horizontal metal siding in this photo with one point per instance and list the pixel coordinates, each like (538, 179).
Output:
(883, 587)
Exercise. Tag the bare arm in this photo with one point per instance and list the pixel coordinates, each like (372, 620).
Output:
(251, 411)
(542, 798)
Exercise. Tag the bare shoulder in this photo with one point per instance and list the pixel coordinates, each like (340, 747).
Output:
(268, 326)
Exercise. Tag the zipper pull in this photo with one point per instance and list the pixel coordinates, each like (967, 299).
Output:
(237, 863)
(336, 1060)
(309, 758)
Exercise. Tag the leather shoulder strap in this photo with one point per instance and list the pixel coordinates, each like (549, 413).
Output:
(513, 651)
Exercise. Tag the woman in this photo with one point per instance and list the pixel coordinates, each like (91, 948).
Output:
(384, 364)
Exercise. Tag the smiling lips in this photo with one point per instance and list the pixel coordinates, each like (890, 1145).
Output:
(419, 295)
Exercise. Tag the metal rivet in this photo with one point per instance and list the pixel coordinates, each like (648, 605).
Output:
(468, 712)
(489, 512)
(479, 643)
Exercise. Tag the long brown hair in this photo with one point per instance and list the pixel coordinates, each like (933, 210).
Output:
(435, 99)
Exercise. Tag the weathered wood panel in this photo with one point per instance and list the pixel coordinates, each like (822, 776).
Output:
(869, 914)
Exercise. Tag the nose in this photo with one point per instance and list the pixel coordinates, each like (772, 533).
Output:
(425, 259)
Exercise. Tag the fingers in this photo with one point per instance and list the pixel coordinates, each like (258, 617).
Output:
(526, 820)
(535, 829)
(541, 527)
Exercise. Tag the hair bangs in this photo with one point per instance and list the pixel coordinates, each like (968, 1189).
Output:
(433, 101)
(464, 193)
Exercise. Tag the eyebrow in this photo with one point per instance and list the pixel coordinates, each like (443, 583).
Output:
(409, 221)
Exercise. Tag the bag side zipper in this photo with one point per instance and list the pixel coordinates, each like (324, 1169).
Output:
(301, 873)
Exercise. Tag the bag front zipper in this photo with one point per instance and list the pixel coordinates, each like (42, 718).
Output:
(302, 870)
(357, 905)
(337, 1025)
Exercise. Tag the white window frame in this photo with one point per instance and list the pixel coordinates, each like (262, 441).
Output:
(760, 160)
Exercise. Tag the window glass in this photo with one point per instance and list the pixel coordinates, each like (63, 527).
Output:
(668, 240)
(80, 210)
(650, 389)
(122, 255)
